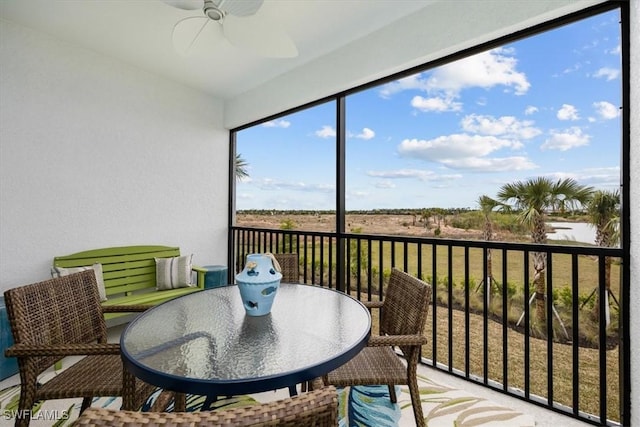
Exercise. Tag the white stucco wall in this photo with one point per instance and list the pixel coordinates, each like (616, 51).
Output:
(634, 207)
(95, 153)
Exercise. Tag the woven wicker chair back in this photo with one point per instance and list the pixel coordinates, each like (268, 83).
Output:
(318, 408)
(290, 267)
(56, 311)
(406, 305)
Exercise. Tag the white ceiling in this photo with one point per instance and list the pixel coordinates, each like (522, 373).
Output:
(138, 32)
(341, 43)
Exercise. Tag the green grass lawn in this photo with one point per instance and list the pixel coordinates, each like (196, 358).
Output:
(588, 360)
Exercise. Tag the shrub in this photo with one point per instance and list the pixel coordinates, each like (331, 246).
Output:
(287, 224)
(565, 296)
(468, 220)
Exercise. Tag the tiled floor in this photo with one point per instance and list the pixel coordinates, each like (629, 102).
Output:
(543, 417)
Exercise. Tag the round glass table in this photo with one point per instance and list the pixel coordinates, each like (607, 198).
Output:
(204, 343)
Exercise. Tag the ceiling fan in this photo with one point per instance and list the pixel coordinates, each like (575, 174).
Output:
(235, 20)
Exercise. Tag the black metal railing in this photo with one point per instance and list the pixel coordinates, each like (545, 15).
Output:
(490, 320)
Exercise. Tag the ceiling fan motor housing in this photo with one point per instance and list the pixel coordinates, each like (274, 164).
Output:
(212, 11)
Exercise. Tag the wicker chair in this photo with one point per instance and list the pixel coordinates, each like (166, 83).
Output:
(402, 321)
(62, 317)
(290, 268)
(317, 408)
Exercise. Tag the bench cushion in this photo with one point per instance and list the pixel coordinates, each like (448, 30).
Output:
(97, 269)
(173, 273)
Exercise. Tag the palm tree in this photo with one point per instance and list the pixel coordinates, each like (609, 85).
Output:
(425, 215)
(532, 199)
(604, 213)
(487, 205)
(241, 167)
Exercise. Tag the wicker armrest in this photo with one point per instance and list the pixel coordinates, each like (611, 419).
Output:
(62, 350)
(396, 340)
(125, 308)
(373, 304)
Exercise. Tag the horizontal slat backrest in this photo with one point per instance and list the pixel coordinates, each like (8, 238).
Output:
(125, 269)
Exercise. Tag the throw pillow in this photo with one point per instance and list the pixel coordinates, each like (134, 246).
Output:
(172, 273)
(97, 269)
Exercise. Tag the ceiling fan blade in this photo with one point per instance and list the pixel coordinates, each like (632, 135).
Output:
(239, 7)
(195, 32)
(259, 35)
(185, 4)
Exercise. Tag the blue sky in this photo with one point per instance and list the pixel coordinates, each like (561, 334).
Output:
(547, 105)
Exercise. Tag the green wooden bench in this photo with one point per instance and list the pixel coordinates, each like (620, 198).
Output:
(129, 274)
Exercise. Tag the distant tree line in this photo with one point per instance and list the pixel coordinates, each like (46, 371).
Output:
(398, 211)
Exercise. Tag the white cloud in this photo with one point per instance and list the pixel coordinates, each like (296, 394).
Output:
(566, 140)
(271, 184)
(277, 124)
(486, 70)
(463, 151)
(568, 112)
(592, 176)
(357, 195)
(454, 146)
(423, 175)
(496, 67)
(246, 196)
(605, 175)
(606, 110)
(572, 69)
(530, 110)
(386, 184)
(607, 73)
(435, 104)
(559, 176)
(505, 126)
(495, 164)
(366, 134)
(326, 132)
(407, 83)
(616, 50)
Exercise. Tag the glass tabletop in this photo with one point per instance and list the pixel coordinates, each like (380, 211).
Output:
(204, 343)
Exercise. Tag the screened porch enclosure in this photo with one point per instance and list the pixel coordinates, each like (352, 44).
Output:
(561, 348)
